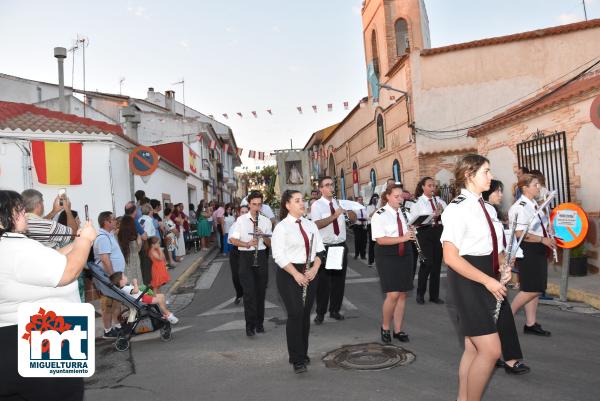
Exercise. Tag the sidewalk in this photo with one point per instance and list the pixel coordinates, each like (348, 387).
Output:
(584, 289)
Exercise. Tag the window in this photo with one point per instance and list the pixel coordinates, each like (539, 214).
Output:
(373, 177)
(343, 183)
(39, 93)
(401, 37)
(396, 170)
(380, 132)
(374, 53)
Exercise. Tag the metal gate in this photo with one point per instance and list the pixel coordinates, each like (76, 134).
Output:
(548, 154)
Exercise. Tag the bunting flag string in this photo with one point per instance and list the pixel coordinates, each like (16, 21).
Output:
(299, 109)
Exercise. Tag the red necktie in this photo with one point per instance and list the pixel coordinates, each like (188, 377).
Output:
(336, 226)
(306, 243)
(400, 234)
(496, 263)
(541, 222)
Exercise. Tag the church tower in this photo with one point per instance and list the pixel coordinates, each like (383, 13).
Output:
(392, 29)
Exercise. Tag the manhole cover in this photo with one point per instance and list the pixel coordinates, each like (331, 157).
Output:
(370, 356)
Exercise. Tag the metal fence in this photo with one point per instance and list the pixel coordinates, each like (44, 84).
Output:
(447, 192)
(548, 154)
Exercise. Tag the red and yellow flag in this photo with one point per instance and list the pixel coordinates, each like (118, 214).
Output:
(57, 163)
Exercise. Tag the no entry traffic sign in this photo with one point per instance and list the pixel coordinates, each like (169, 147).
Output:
(570, 224)
(143, 160)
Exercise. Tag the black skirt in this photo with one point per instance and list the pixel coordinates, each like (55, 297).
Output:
(533, 267)
(395, 271)
(472, 304)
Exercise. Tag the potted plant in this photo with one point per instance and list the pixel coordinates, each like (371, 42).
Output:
(578, 261)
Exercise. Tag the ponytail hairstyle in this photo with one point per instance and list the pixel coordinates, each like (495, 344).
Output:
(526, 180)
(285, 198)
(467, 166)
(419, 189)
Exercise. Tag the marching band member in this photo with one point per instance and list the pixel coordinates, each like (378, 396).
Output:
(470, 248)
(533, 267)
(234, 259)
(253, 261)
(296, 242)
(371, 209)
(393, 259)
(327, 214)
(507, 331)
(429, 239)
(360, 231)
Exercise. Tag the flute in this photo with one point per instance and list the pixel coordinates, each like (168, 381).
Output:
(506, 265)
(554, 251)
(421, 256)
(307, 268)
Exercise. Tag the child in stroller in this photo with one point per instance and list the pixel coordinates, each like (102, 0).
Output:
(119, 279)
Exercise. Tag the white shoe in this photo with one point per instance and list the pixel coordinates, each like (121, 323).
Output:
(172, 319)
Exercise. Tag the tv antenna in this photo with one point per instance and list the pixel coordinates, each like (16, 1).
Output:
(121, 84)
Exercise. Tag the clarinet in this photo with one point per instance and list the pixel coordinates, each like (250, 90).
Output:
(506, 264)
(421, 256)
(554, 252)
(307, 268)
(255, 262)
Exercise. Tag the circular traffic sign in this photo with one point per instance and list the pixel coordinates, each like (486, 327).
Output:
(595, 112)
(143, 160)
(570, 224)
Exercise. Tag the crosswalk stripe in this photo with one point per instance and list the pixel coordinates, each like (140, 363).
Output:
(208, 278)
(222, 310)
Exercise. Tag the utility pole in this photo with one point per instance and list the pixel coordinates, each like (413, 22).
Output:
(584, 10)
(121, 84)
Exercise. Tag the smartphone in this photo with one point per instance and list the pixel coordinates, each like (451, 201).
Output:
(87, 213)
(62, 193)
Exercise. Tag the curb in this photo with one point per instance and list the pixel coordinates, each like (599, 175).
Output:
(575, 295)
(188, 272)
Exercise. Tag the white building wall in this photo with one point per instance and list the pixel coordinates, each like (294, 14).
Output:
(75, 106)
(162, 182)
(20, 90)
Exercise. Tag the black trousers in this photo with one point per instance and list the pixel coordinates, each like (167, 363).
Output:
(254, 285)
(330, 289)
(371, 245)
(360, 240)
(220, 234)
(297, 327)
(234, 264)
(13, 387)
(145, 266)
(429, 240)
(509, 339)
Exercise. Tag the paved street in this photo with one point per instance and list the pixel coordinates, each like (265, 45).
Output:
(210, 358)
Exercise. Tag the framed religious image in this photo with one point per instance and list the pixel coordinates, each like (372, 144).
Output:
(294, 174)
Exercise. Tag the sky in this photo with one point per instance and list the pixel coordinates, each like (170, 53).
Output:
(239, 55)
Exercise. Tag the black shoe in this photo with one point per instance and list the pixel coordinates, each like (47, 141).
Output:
(237, 300)
(336, 316)
(111, 334)
(370, 265)
(499, 363)
(299, 368)
(306, 360)
(402, 337)
(250, 331)
(386, 337)
(319, 319)
(420, 300)
(519, 368)
(537, 330)
(437, 301)
(260, 328)
(363, 258)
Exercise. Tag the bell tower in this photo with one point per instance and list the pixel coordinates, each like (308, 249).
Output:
(392, 30)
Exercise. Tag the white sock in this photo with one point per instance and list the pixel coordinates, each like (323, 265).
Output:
(117, 326)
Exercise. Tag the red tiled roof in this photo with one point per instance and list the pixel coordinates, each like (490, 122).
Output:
(29, 117)
(576, 88)
(555, 30)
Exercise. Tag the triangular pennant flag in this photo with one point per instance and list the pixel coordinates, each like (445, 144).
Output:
(240, 114)
(299, 108)
(225, 147)
(252, 154)
(239, 152)
(270, 111)
(261, 155)
(314, 108)
(212, 145)
(226, 116)
(345, 105)
(330, 107)
(254, 114)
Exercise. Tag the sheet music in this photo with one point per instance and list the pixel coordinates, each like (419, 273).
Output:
(335, 256)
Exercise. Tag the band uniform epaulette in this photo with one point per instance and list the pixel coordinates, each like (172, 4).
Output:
(458, 199)
(263, 215)
(381, 210)
(522, 203)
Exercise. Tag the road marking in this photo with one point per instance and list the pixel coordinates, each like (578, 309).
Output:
(222, 308)
(237, 325)
(351, 272)
(346, 304)
(208, 278)
(363, 280)
(156, 334)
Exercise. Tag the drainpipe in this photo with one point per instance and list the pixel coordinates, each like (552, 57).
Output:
(61, 54)
(26, 161)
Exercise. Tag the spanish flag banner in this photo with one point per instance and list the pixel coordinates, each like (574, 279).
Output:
(57, 163)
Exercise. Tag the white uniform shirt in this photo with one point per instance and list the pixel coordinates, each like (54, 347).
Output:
(466, 226)
(422, 206)
(30, 272)
(321, 210)
(362, 216)
(371, 209)
(243, 228)
(288, 244)
(524, 209)
(384, 223)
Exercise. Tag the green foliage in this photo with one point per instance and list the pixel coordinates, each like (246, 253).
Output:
(578, 251)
